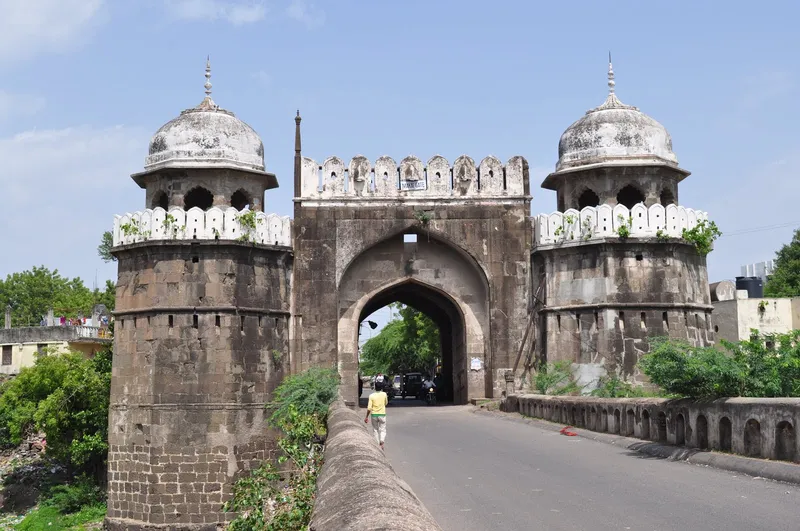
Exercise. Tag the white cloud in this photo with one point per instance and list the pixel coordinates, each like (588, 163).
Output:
(12, 105)
(61, 189)
(306, 13)
(30, 27)
(263, 78)
(236, 12)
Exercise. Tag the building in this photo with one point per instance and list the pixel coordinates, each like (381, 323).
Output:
(217, 301)
(610, 266)
(20, 346)
(740, 309)
(761, 270)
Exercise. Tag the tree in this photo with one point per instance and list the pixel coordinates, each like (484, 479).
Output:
(31, 294)
(408, 344)
(66, 396)
(785, 280)
(104, 249)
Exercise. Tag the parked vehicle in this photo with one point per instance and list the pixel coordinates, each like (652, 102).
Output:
(412, 385)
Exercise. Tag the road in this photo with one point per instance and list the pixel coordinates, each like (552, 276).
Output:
(478, 472)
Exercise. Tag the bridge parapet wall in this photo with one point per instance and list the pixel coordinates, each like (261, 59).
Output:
(754, 427)
(604, 221)
(197, 224)
(357, 487)
(385, 179)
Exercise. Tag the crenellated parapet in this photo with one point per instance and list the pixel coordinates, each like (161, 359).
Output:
(197, 224)
(605, 221)
(412, 179)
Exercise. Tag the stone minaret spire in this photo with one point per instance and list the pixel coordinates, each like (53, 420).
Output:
(297, 156)
(611, 83)
(208, 77)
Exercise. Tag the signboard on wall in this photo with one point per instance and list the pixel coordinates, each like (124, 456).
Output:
(476, 364)
(413, 185)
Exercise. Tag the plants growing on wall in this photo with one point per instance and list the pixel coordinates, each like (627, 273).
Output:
(422, 217)
(624, 229)
(554, 379)
(702, 236)
(279, 495)
(248, 223)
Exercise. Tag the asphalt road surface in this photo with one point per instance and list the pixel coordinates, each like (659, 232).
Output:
(478, 472)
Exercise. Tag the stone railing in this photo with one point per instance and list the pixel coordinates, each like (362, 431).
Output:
(47, 334)
(357, 487)
(412, 179)
(196, 224)
(754, 427)
(605, 221)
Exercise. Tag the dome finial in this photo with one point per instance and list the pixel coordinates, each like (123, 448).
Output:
(611, 82)
(208, 77)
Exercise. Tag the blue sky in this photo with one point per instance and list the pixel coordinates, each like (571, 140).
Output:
(84, 83)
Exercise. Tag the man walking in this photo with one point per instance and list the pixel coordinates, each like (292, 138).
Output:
(377, 408)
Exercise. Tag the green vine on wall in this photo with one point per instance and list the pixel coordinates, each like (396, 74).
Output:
(624, 229)
(248, 222)
(422, 217)
(702, 236)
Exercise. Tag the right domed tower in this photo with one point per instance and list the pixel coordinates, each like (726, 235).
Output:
(610, 268)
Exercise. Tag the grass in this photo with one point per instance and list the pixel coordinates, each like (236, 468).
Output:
(48, 518)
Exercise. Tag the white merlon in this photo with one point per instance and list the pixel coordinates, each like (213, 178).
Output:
(196, 224)
(604, 221)
(361, 179)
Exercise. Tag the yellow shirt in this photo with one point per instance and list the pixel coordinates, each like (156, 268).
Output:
(377, 403)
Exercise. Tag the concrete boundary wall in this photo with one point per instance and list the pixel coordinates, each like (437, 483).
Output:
(357, 487)
(753, 427)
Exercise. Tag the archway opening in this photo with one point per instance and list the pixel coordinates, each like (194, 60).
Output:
(160, 200)
(240, 200)
(667, 197)
(588, 199)
(198, 197)
(725, 434)
(702, 432)
(630, 196)
(785, 441)
(646, 424)
(425, 336)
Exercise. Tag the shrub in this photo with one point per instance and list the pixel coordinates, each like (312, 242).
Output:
(279, 495)
(67, 499)
(310, 392)
(65, 396)
(749, 368)
(554, 379)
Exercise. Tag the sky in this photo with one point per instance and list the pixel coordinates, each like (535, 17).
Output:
(85, 83)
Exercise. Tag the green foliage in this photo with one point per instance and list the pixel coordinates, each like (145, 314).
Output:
(32, 293)
(65, 396)
(408, 344)
(248, 223)
(624, 229)
(764, 366)
(71, 498)
(554, 379)
(279, 495)
(130, 229)
(104, 249)
(47, 518)
(702, 236)
(422, 217)
(309, 393)
(662, 235)
(785, 279)
(613, 387)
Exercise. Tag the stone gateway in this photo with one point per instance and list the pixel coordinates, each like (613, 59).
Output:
(217, 301)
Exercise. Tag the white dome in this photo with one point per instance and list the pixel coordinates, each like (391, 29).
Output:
(615, 133)
(206, 136)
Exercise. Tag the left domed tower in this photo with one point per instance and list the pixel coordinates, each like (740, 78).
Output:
(202, 323)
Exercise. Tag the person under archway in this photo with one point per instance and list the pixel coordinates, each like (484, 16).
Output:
(376, 407)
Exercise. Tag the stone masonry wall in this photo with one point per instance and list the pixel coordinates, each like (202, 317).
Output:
(755, 427)
(495, 235)
(201, 341)
(602, 301)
